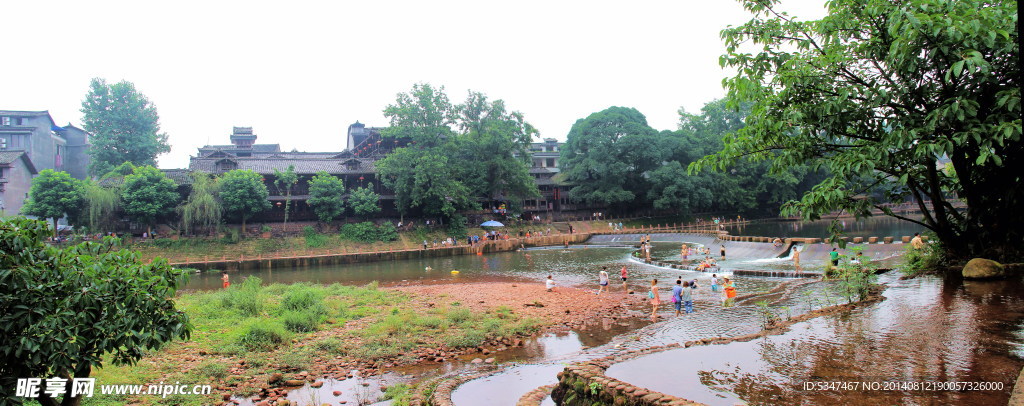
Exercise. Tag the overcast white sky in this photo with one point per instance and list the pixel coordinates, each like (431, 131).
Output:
(301, 72)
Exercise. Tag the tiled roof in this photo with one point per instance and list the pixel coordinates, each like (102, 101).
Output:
(548, 169)
(305, 166)
(7, 157)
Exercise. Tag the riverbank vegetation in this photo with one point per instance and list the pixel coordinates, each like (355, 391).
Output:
(245, 333)
(909, 101)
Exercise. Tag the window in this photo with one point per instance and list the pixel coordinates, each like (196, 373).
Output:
(4, 142)
(21, 121)
(5, 120)
(550, 163)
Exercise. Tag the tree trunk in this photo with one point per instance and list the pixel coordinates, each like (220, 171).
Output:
(242, 234)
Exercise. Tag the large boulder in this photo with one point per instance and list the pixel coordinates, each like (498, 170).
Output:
(980, 268)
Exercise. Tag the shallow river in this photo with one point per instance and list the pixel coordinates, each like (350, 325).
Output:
(928, 333)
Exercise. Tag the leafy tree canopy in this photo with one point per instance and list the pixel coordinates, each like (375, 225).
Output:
(53, 195)
(63, 311)
(202, 208)
(326, 196)
(457, 153)
(148, 195)
(917, 99)
(243, 194)
(608, 154)
(124, 124)
(364, 201)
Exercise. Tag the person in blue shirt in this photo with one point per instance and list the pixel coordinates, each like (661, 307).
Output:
(677, 292)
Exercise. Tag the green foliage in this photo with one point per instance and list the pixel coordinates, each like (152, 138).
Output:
(243, 194)
(64, 311)
(426, 179)
(444, 170)
(325, 197)
(915, 261)
(124, 124)
(52, 195)
(768, 316)
(245, 297)
(855, 280)
(607, 154)
(457, 226)
(300, 321)
(749, 188)
(202, 209)
(313, 238)
(399, 394)
(102, 205)
(368, 232)
(364, 201)
(212, 369)
(262, 337)
(284, 181)
(879, 93)
(148, 195)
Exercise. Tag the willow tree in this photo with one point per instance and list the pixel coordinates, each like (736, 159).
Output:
(101, 206)
(202, 209)
(900, 100)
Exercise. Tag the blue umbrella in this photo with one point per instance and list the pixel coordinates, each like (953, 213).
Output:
(492, 223)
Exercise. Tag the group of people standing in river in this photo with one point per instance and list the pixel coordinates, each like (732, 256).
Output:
(683, 291)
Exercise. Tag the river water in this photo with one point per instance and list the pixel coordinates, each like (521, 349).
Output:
(926, 330)
(927, 335)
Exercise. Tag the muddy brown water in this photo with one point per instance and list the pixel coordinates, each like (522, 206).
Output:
(928, 333)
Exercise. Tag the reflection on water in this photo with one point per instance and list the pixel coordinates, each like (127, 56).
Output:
(569, 267)
(879, 226)
(926, 330)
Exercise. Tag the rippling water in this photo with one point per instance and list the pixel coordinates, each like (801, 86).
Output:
(927, 330)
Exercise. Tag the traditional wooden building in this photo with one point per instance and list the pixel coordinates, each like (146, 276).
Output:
(356, 167)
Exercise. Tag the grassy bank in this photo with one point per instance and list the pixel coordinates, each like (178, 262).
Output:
(311, 243)
(243, 334)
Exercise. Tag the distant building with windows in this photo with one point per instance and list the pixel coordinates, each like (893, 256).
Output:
(30, 141)
(356, 167)
(544, 169)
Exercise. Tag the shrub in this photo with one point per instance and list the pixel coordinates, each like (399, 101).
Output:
(262, 337)
(367, 232)
(302, 297)
(246, 298)
(457, 226)
(331, 345)
(301, 321)
(313, 238)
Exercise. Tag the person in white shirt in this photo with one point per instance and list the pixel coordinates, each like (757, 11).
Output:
(602, 280)
(550, 284)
